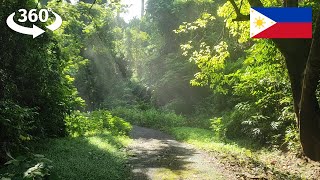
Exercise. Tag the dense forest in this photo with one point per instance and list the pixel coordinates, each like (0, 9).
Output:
(70, 98)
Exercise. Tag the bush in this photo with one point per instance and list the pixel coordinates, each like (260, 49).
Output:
(79, 123)
(16, 122)
(114, 124)
(218, 127)
(248, 121)
(35, 166)
(150, 118)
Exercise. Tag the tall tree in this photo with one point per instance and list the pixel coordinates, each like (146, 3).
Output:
(303, 63)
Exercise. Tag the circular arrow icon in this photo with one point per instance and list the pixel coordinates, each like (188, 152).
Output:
(54, 26)
(35, 31)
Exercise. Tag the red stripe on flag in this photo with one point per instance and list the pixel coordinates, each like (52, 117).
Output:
(287, 30)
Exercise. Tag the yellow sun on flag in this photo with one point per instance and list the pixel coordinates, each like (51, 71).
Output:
(259, 22)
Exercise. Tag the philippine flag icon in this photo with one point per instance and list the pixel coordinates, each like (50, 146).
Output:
(281, 22)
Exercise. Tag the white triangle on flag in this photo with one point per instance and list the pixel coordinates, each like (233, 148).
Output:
(259, 22)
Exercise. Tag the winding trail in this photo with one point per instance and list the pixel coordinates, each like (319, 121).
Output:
(156, 155)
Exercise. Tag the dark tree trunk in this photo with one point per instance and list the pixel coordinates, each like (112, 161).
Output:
(309, 106)
(296, 52)
(303, 58)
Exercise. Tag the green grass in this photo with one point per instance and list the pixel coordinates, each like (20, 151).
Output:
(99, 156)
(205, 139)
(270, 164)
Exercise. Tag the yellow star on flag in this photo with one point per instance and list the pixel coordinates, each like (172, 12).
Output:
(259, 22)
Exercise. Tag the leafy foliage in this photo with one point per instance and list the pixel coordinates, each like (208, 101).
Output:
(79, 124)
(16, 122)
(35, 166)
(150, 117)
(259, 104)
(35, 93)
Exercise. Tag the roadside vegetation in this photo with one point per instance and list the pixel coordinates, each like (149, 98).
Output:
(247, 159)
(95, 156)
(94, 149)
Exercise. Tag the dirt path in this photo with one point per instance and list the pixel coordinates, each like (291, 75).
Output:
(156, 155)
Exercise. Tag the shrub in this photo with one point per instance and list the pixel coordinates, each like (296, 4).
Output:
(16, 122)
(150, 117)
(79, 123)
(292, 139)
(218, 127)
(114, 124)
(248, 121)
(35, 166)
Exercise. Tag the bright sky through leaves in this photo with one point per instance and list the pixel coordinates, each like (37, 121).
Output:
(134, 9)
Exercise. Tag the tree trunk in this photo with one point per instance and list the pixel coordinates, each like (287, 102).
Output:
(295, 52)
(303, 64)
(142, 8)
(309, 106)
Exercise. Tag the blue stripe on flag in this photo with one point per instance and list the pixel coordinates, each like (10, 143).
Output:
(280, 14)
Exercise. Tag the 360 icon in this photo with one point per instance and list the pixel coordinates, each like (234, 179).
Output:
(33, 15)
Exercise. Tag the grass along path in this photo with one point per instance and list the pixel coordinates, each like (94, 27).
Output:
(100, 156)
(248, 164)
(156, 155)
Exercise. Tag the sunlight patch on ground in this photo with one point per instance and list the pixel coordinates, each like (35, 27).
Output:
(101, 144)
(165, 173)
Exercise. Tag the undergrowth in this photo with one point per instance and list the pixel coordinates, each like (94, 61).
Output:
(99, 156)
(150, 117)
(93, 150)
(248, 160)
(79, 123)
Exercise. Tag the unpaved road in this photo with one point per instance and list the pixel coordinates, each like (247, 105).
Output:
(156, 155)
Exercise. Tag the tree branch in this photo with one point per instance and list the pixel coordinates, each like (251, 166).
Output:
(92, 4)
(240, 17)
(255, 3)
(290, 3)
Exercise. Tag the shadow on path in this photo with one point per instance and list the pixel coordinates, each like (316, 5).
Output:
(156, 155)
